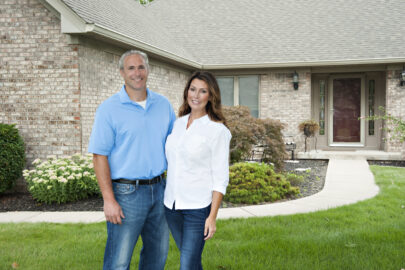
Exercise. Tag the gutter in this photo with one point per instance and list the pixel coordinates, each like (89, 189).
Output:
(305, 64)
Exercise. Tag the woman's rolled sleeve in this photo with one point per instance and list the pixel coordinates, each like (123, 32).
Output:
(220, 160)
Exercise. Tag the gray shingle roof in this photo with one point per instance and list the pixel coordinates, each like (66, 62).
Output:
(229, 32)
(128, 18)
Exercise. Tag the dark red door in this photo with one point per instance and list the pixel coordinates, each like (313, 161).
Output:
(346, 109)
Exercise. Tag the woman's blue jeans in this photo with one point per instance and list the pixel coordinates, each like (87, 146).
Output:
(187, 228)
(144, 215)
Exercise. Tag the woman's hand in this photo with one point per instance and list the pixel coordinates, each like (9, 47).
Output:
(210, 228)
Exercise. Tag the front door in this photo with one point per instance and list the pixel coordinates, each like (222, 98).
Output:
(346, 104)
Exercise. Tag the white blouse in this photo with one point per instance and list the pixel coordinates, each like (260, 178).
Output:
(198, 162)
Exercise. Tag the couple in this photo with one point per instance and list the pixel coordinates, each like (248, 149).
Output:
(134, 132)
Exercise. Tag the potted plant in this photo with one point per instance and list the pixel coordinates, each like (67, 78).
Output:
(309, 128)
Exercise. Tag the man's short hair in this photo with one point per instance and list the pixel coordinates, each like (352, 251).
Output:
(131, 52)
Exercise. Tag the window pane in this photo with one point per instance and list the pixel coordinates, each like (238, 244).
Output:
(371, 101)
(226, 87)
(249, 93)
(322, 107)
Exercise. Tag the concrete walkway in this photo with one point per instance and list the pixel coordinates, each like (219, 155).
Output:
(347, 181)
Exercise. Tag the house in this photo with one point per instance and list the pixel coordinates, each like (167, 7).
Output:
(58, 62)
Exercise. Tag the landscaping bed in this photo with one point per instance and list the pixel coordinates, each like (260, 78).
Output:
(313, 183)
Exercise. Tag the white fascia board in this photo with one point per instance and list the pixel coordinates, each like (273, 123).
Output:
(305, 64)
(70, 21)
(111, 34)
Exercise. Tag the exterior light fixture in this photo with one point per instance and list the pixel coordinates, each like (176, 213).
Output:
(295, 80)
(402, 79)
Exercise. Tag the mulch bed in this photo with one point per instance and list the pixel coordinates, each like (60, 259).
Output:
(394, 163)
(313, 183)
(25, 202)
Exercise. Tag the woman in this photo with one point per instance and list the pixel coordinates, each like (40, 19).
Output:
(197, 153)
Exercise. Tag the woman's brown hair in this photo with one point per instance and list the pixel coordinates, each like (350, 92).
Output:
(213, 107)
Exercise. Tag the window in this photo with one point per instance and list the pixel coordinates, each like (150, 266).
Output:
(322, 107)
(371, 102)
(240, 90)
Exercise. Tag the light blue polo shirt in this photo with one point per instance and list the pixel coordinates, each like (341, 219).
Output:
(133, 138)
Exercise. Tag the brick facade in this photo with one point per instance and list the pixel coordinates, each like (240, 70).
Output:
(279, 100)
(395, 105)
(39, 79)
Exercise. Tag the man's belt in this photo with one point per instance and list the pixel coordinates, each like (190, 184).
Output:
(152, 181)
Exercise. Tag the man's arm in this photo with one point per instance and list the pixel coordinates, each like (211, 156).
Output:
(112, 210)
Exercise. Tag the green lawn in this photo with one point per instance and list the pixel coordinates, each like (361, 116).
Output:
(367, 235)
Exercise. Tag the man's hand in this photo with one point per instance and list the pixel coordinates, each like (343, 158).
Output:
(113, 212)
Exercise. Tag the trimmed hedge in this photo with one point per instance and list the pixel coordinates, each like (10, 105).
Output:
(253, 183)
(12, 156)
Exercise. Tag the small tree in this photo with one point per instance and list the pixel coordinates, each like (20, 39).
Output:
(248, 132)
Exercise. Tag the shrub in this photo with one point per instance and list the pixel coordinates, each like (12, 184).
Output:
(253, 183)
(248, 132)
(294, 179)
(12, 156)
(62, 180)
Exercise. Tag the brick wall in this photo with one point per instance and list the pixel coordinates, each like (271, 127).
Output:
(395, 105)
(279, 100)
(39, 79)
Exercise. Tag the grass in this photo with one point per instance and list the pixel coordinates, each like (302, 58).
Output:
(366, 235)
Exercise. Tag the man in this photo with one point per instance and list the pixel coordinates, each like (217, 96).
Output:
(128, 142)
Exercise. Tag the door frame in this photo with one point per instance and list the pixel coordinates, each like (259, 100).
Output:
(362, 112)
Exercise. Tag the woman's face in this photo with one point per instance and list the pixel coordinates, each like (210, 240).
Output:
(198, 95)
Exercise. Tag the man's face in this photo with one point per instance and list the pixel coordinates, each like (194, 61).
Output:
(135, 73)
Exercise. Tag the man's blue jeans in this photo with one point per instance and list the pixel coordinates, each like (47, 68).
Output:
(144, 215)
(187, 227)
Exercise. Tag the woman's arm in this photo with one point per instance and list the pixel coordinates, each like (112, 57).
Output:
(220, 175)
(210, 222)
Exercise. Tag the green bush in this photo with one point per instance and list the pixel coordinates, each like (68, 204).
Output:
(253, 183)
(294, 179)
(62, 180)
(12, 156)
(248, 132)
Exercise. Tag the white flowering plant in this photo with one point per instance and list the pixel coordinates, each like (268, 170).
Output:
(62, 180)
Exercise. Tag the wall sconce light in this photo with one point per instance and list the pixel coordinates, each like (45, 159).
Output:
(295, 80)
(402, 77)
